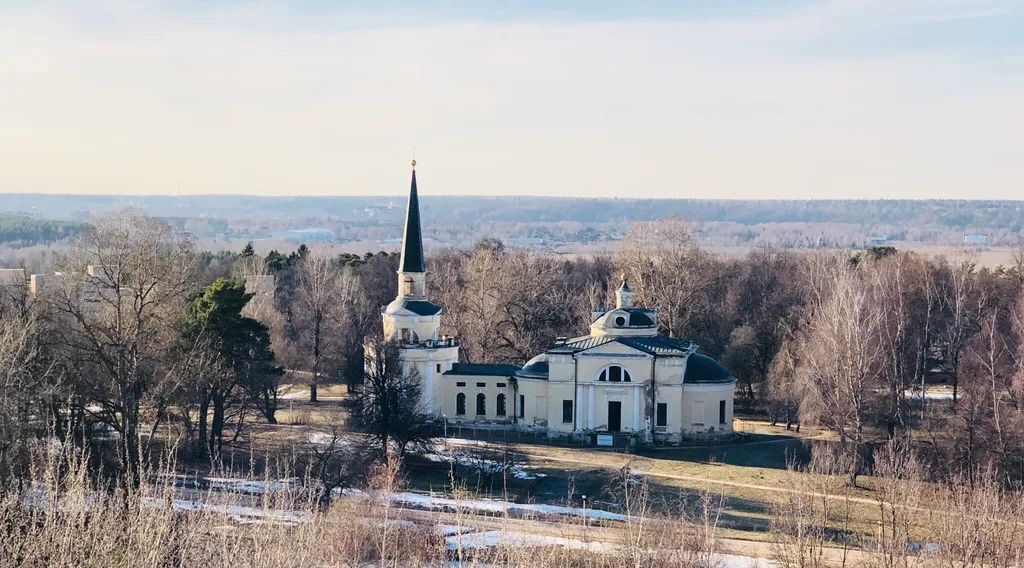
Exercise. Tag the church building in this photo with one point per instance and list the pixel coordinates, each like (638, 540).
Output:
(622, 380)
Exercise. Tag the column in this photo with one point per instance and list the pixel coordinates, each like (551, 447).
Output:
(590, 407)
(429, 394)
(636, 408)
(577, 414)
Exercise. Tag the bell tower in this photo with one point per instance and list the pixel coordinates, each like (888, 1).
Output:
(412, 320)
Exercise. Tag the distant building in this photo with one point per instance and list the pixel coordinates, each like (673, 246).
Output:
(12, 277)
(975, 239)
(40, 283)
(311, 235)
(878, 241)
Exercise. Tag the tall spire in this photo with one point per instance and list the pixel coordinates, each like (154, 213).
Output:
(412, 238)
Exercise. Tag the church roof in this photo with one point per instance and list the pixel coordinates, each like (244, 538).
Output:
(480, 369)
(655, 345)
(418, 307)
(536, 368)
(701, 369)
(412, 238)
(639, 317)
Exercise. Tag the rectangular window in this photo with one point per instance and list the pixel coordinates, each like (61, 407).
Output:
(567, 411)
(481, 385)
(438, 367)
(662, 418)
(721, 412)
(500, 385)
(460, 384)
(698, 412)
(522, 406)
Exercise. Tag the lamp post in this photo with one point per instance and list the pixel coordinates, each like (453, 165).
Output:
(445, 418)
(584, 510)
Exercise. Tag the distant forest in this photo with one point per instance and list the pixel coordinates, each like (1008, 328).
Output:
(960, 214)
(22, 230)
(460, 221)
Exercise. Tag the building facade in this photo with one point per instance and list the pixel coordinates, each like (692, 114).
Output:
(621, 380)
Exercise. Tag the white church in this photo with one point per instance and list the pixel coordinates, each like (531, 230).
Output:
(623, 380)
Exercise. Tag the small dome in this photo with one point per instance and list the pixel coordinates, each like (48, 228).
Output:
(536, 368)
(625, 318)
(701, 369)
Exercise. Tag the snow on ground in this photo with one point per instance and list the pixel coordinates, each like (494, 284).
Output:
(236, 512)
(251, 486)
(492, 539)
(431, 502)
(473, 458)
(930, 394)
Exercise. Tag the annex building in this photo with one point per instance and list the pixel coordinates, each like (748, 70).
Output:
(621, 380)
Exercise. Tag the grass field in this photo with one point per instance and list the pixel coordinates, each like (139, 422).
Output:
(748, 475)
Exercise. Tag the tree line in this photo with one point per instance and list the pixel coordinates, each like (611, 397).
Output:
(140, 331)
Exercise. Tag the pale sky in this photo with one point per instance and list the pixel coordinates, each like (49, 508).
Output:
(715, 99)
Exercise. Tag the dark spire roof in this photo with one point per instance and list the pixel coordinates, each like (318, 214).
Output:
(412, 238)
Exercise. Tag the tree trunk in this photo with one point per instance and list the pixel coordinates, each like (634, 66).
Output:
(216, 428)
(204, 411)
(130, 459)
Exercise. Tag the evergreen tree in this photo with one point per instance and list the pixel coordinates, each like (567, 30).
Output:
(246, 375)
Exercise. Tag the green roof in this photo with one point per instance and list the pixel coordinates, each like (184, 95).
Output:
(701, 369)
(489, 369)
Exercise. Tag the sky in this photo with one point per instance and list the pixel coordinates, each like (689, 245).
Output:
(717, 99)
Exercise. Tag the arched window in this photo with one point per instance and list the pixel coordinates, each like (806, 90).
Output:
(614, 374)
(481, 404)
(460, 404)
(501, 405)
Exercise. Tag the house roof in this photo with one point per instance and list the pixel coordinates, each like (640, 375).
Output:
(412, 238)
(477, 369)
(655, 345)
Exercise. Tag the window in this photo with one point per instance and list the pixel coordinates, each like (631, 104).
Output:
(698, 412)
(438, 367)
(481, 404)
(567, 411)
(615, 374)
(522, 406)
(460, 404)
(481, 385)
(662, 418)
(501, 405)
(460, 384)
(409, 288)
(500, 385)
(620, 321)
(721, 412)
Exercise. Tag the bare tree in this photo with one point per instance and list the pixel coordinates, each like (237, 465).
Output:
(386, 406)
(125, 284)
(318, 302)
(666, 269)
(840, 364)
(962, 302)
